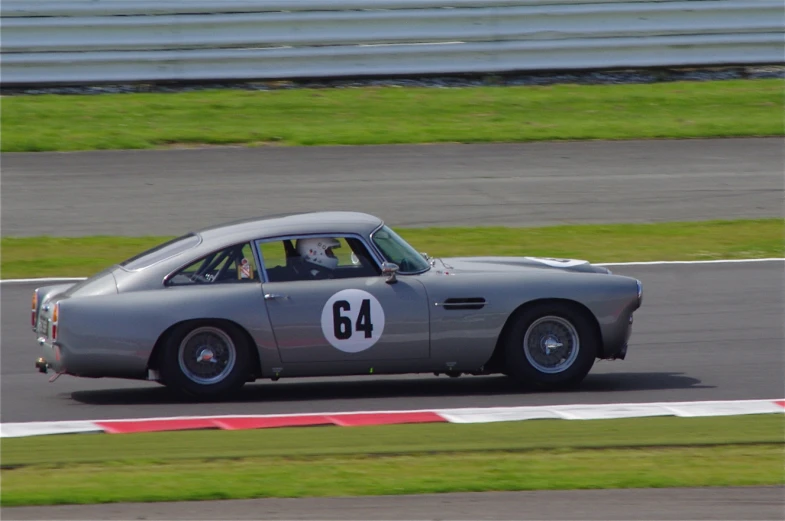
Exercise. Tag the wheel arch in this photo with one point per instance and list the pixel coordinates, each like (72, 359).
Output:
(153, 361)
(496, 361)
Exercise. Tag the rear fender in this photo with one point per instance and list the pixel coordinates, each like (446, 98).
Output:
(118, 333)
(47, 293)
(154, 361)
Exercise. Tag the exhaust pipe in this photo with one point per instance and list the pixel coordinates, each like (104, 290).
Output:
(41, 365)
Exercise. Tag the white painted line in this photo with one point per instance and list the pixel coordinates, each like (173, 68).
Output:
(608, 411)
(45, 279)
(22, 430)
(720, 261)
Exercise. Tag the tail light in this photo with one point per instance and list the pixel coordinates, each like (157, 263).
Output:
(35, 307)
(55, 314)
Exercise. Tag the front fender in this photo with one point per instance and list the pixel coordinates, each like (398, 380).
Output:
(467, 337)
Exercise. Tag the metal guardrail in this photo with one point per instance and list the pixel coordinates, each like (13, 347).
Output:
(93, 41)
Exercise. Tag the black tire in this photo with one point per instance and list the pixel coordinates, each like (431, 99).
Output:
(556, 326)
(223, 360)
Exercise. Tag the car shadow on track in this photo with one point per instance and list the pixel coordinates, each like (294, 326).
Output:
(302, 390)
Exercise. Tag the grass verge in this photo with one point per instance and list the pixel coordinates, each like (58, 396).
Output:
(360, 476)
(393, 115)
(400, 459)
(74, 257)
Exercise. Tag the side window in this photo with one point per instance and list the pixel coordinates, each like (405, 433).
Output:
(274, 255)
(288, 260)
(235, 264)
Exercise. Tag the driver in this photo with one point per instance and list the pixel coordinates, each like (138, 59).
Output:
(318, 255)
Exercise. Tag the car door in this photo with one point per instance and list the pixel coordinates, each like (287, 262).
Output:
(351, 318)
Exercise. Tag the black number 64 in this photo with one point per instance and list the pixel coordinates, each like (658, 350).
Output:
(342, 325)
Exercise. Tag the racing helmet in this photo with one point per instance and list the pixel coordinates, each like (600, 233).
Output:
(319, 251)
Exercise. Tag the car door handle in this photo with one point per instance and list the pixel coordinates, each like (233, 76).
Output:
(273, 296)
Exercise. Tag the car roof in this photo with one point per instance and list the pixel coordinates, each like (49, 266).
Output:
(290, 224)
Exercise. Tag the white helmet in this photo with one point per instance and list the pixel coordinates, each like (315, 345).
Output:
(319, 251)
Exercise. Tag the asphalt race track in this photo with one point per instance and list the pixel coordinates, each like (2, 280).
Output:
(705, 332)
(747, 503)
(169, 192)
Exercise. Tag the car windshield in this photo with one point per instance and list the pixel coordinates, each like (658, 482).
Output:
(396, 250)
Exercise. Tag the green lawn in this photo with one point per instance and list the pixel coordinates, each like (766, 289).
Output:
(422, 474)
(24, 257)
(394, 115)
(398, 459)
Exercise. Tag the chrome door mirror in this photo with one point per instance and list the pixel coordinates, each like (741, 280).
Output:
(389, 270)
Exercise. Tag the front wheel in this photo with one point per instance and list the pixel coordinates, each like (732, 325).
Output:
(205, 360)
(550, 346)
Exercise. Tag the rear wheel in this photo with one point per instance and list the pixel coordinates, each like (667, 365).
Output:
(205, 360)
(551, 346)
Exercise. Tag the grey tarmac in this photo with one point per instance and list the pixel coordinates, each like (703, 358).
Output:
(167, 192)
(705, 332)
(743, 503)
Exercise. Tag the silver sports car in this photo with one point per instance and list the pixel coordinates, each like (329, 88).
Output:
(329, 294)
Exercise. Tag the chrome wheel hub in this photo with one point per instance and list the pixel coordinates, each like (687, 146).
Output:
(551, 344)
(207, 355)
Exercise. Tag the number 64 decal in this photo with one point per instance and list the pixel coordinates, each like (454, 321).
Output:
(352, 320)
(342, 325)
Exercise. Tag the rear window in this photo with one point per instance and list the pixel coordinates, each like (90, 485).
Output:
(161, 252)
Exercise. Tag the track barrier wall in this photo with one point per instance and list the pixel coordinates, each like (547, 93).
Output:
(48, 42)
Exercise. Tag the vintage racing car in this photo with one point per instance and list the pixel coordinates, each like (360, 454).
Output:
(329, 294)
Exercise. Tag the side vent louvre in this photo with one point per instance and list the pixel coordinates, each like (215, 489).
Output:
(464, 303)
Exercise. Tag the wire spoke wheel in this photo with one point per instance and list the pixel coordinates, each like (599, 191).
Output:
(551, 344)
(207, 355)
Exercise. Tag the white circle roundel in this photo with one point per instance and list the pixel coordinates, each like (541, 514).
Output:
(352, 320)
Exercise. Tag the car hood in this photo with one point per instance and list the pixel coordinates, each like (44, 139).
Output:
(513, 264)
